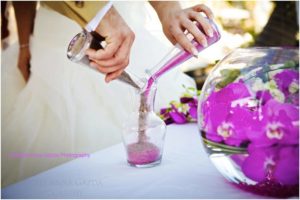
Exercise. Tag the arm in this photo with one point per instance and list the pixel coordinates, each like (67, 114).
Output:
(114, 58)
(81, 14)
(25, 14)
(176, 20)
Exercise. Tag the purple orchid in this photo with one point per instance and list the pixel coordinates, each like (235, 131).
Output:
(275, 123)
(225, 96)
(193, 110)
(222, 121)
(184, 111)
(273, 163)
(178, 117)
(187, 99)
(287, 166)
(163, 111)
(288, 83)
(264, 96)
(294, 99)
(229, 125)
(284, 80)
(169, 120)
(193, 104)
(231, 92)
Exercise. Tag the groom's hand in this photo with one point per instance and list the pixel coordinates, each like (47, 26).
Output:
(114, 58)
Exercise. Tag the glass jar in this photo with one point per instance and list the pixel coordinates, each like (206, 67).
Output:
(248, 118)
(144, 131)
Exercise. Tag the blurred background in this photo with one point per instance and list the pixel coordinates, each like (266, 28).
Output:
(241, 23)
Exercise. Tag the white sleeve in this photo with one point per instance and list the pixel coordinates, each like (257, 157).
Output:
(91, 26)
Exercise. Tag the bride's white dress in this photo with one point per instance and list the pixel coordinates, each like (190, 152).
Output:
(66, 107)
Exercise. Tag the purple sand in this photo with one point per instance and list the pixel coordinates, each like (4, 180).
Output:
(270, 188)
(142, 153)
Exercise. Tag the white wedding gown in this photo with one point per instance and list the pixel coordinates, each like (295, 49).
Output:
(66, 107)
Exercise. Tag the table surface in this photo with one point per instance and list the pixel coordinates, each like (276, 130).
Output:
(185, 172)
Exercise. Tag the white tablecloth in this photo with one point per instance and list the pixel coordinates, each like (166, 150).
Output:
(185, 172)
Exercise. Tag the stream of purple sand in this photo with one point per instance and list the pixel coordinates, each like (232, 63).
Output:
(142, 151)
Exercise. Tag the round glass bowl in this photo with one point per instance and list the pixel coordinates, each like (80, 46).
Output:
(248, 118)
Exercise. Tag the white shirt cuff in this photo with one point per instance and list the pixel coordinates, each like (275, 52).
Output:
(91, 26)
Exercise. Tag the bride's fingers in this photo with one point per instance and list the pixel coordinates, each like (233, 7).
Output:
(205, 9)
(194, 30)
(183, 40)
(203, 22)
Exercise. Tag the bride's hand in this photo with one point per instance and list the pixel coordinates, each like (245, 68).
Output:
(24, 62)
(114, 58)
(176, 20)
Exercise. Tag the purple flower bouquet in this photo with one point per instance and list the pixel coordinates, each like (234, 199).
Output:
(248, 117)
(184, 111)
